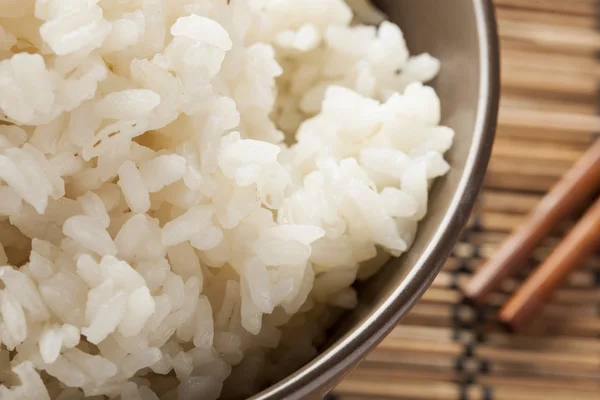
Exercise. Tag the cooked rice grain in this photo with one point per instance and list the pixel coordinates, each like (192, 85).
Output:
(189, 188)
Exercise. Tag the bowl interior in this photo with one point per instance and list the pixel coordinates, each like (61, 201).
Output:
(461, 33)
(448, 31)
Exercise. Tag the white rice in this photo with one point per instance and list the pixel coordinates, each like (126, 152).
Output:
(189, 188)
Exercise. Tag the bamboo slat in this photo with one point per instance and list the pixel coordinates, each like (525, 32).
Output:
(576, 7)
(546, 17)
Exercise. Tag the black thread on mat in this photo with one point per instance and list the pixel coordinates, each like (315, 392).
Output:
(464, 236)
(477, 320)
(464, 314)
(456, 326)
(597, 278)
(469, 380)
(469, 349)
(332, 396)
(464, 391)
(479, 336)
(476, 252)
(464, 268)
(469, 343)
(459, 364)
(455, 280)
(484, 367)
(477, 226)
(455, 334)
(480, 316)
(457, 322)
(488, 393)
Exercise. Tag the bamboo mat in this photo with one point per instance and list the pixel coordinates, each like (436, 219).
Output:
(445, 349)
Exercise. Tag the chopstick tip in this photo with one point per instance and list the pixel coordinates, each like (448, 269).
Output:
(473, 296)
(506, 326)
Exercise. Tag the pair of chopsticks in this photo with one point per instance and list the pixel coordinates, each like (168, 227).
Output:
(577, 186)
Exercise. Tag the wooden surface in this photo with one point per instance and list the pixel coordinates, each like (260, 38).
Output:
(446, 349)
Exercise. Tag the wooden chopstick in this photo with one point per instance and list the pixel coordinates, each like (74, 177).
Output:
(579, 244)
(577, 185)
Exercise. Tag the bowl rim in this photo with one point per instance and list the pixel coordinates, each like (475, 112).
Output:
(318, 376)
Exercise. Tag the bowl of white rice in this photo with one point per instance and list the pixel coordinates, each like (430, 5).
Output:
(210, 199)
